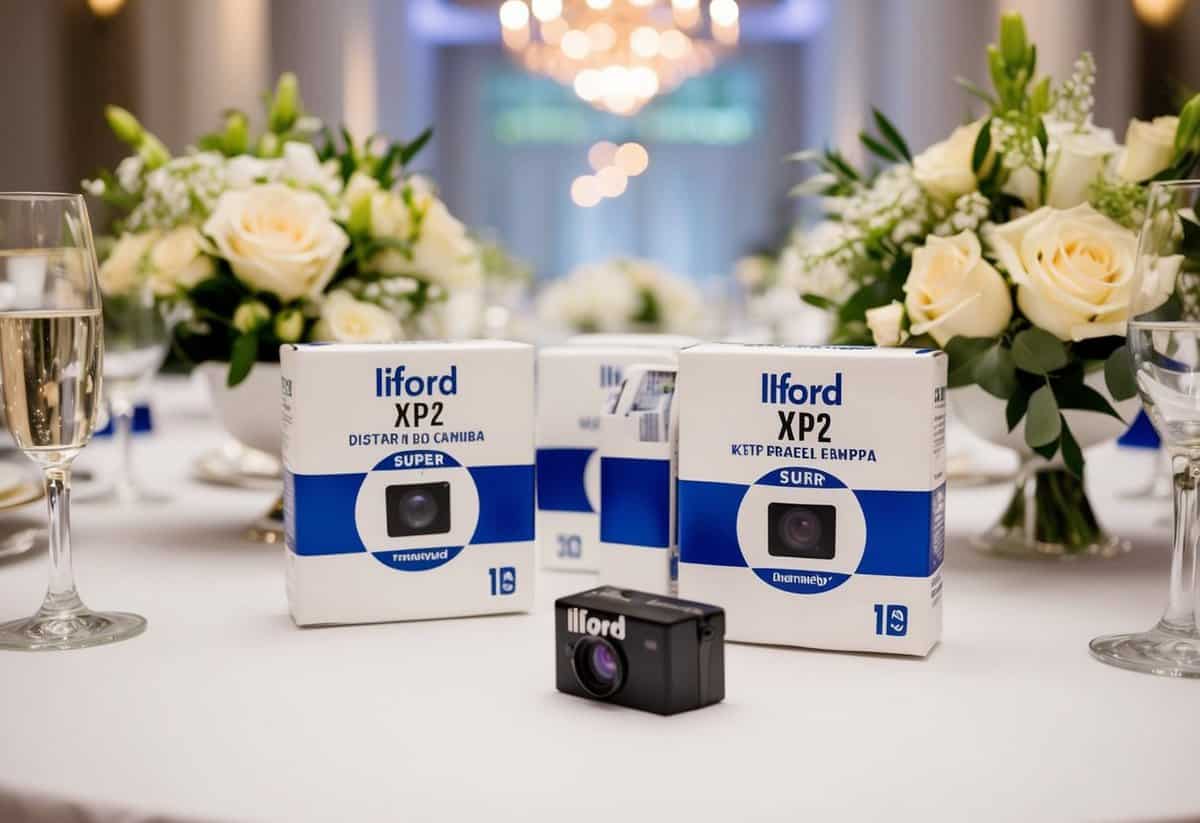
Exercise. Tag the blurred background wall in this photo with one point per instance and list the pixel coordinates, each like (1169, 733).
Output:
(508, 143)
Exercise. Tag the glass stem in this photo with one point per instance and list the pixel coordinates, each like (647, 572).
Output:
(1180, 615)
(61, 595)
(123, 435)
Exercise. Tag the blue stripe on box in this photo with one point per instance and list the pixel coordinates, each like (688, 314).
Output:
(635, 502)
(505, 503)
(901, 539)
(560, 480)
(708, 523)
(319, 516)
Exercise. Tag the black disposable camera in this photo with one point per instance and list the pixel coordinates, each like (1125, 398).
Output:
(645, 651)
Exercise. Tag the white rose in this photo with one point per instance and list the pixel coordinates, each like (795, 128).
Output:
(278, 239)
(886, 324)
(347, 320)
(590, 298)
(952, 291)
(178, 261)
(944, 169)
(124, 267)
(1076, 160)
(1023, 183)
(444, 253)
(245, 170)
(361, 186)
(1072, 268)
(301, 166)
(1149, 148)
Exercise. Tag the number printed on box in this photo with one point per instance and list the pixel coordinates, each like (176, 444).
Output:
(503, 580)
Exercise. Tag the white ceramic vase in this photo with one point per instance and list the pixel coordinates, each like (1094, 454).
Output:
(251, 414)
(1049, 514)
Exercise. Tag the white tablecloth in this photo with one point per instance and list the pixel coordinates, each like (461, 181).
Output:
(224, 709)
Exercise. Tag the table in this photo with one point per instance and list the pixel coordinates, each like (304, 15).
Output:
(225, 710)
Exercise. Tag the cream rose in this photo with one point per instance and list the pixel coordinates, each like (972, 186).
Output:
(178, 261)
(444, 253)
(1149, 148)
(887, 324)
(952, 291)
(1072, 267)
(944, 169)
(347, 320)
(125, 265)
(1076, 159)
(278, 239)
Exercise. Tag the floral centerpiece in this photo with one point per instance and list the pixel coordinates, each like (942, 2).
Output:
(293, 235)
(622, 295)
(1011, 246)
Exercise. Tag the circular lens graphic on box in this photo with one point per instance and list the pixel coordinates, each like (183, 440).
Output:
(598, 666)
(801, 530)
(416, 509)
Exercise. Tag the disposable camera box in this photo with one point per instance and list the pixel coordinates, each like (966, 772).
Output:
(638, 452)
(408, 480)
(576, 383)
(812, 493)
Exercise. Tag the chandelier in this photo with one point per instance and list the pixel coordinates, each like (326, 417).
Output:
(618, 54)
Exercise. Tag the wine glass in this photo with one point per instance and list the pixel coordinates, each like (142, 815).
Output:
(1164, 343)
(50, 366)
(136, 333)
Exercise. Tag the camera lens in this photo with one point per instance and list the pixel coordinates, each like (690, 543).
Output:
(800, 529)
(804, 530)
(598, 666)
(418, 508)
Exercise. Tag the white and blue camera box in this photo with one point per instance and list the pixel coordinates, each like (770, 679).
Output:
(811, 493)
(408, 480)
(638, 453)
(577, 382)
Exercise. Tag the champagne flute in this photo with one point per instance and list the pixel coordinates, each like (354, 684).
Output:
(51, 350)
(1164, 343)
(136, 333)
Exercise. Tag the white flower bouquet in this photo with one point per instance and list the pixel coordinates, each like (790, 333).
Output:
(622, 295)
(1011, 244)
(287, 237)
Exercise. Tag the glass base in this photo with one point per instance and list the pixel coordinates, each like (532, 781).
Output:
(1049, 516)
(1014, 542)
(268, 528)
(128, 493)
(1159, 651)
(69, 630)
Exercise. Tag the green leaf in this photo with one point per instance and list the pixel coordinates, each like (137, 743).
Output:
(242, 357)
(1072, 454)
(415, 145)
(877, 148)
(1072, 395)
(1042, 137)
(1048, 451)
(837, 164)
(383, 171)
(876, 293)
(1043, 422)
(1016, 407)
(983, 145)
(996, 373)
(1038, 351)
(976, 91)
(819, 301)
(892, 135)
(964, 353)
(1119, 376)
